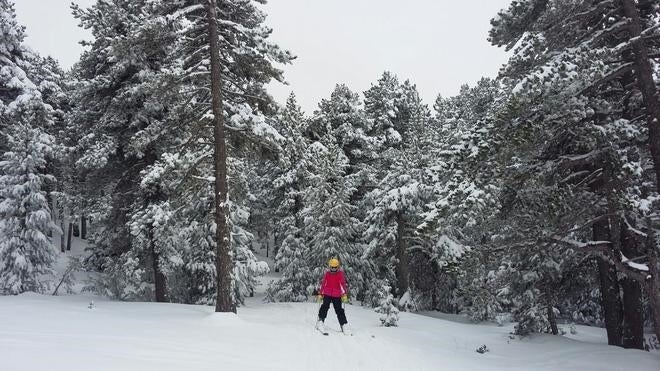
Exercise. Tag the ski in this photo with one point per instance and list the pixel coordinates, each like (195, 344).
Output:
(321, 328)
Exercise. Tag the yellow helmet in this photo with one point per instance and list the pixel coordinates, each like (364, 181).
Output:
(333, 263)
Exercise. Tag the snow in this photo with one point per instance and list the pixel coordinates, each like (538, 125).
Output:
(67, 335)
(81, 332)
(632, 264)
(452, 250)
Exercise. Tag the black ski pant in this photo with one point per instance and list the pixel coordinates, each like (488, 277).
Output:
(336, 302)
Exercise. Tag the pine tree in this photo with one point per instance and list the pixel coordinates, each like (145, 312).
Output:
(246, 60)
(289, 184)
(389, 314)
(54, 87)
(464, 184)
(143, 107)
(398, 124)
(385, 106)
(246, 266)
(29, 111)
(124, 99)
(391, 226)
(26, 252)
(572, 82)
(14, 80)
(289, 178)
(330, 229)
(16, 88)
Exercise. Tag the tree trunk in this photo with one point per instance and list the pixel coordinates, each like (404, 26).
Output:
(277, 242)
(223, 239)
(83, 227)
(552, 319)
(653, 282)
(159, 277)
(644, 74)
(402, 271)
(69, 236)
(609, 289)
(49, 201)
(63, 230)
(633, 315)
(646, 83)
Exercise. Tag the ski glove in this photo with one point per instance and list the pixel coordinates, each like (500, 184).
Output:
(344, 298)
(319, 298)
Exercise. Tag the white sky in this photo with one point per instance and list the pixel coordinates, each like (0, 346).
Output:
(438, 44)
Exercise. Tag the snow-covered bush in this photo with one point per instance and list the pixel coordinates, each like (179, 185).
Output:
(389, 313)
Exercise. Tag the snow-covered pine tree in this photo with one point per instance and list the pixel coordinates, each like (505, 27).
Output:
(384, 105)
(26, 252)
(14, 59)
(64, 198)
(29, 111)
(124, 99)
(342, 119)
(464, 183)
(577, 129)
(50, 81)
(290, 171)
(192, 277)
(398, 121)
(391, 226)
(389, 313)
(16, 87)
(246, 266)
(330, 229)
(248, 59)
(288, 186)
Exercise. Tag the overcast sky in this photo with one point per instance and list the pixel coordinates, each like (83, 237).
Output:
(438, 44)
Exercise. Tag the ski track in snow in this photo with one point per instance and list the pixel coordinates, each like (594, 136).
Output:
(40, 332)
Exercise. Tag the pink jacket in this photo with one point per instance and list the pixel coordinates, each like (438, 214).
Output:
(334, 284)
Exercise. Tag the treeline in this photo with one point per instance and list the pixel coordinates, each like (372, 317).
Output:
(129, 137)
(533, 194)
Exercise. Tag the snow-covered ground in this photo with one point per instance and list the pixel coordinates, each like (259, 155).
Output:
(39, 332)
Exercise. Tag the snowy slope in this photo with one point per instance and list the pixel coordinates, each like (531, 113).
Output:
(66, 333)
(63, 333)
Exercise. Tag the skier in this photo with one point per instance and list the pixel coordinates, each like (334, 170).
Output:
(333, 290)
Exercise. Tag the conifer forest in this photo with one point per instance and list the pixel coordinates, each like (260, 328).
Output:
(531, 197)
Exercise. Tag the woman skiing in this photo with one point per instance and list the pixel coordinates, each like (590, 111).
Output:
(333, 290)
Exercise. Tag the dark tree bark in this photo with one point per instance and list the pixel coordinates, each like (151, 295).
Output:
(645, 82)
(49, 201)
(63, 228)
(633, 315)
(552, 319)
(609, 289)
(277, 242)
(154, 196)
(69, 236)
(223, 239)
(159, 277)
(402, 269)
(83, 227)
(653, 282)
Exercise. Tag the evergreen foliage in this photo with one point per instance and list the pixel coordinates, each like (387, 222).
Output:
(533, 194)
